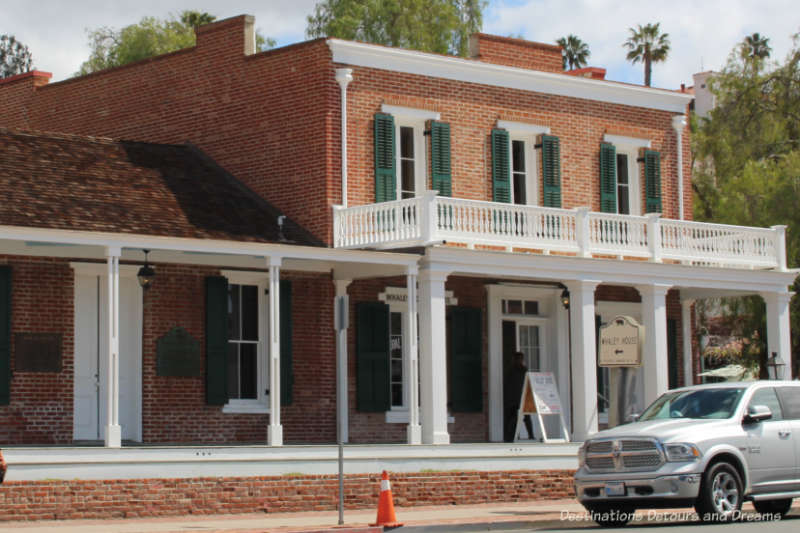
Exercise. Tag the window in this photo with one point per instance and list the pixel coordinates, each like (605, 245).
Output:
(396, 358)
(767, 396)
(521, 307)
(519, 173)
(247, 368)
(410, 149)
(523, 162)
(628, 189)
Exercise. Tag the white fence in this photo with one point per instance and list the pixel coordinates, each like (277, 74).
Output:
(430, 219)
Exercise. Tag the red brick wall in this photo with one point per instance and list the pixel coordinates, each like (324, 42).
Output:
(45, 500)
(272, 119)
(174, 408)
(515, 52)
(40, 410)
(268, 118)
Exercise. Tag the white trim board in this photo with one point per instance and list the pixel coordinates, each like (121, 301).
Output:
(410, 112)
(466, 70)
(523, 127)
(621, 140)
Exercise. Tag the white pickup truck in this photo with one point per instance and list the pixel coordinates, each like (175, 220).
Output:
(708, 446)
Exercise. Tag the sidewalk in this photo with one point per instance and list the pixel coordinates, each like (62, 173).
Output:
(481, 517)
(513, 515)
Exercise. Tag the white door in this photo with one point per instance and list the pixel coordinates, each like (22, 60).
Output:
(91, 354)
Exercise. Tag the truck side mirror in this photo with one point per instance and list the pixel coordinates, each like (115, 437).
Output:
(756, 413)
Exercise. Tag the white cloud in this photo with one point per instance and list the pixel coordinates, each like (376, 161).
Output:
(702, 33)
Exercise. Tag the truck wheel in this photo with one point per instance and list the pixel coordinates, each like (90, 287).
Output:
(720, 498)
(611, 515)
(776, 508)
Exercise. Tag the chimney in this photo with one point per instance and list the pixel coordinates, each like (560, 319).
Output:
(594, 73)
(513, 52)
(235, 35)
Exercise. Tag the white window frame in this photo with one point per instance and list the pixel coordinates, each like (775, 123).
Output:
(416, 119)
(630, 146)
(259, 405)
(529, 134)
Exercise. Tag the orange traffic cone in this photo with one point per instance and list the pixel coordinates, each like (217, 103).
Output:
(386, 516)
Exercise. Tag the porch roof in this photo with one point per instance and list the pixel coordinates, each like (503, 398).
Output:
(70, 182)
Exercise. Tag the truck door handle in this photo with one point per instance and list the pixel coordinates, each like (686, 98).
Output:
(783, 434)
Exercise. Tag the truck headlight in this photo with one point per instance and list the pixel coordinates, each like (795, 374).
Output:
(582, 455)
(682, 452)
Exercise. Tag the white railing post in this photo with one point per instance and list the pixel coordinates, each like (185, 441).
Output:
(654, 236)
(430, 218)
(780, 246)
(338, 213)
(582, 231)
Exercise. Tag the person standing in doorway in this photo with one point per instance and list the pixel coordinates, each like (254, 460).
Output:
(512, 392)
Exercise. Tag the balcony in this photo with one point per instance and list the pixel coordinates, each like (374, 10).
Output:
(431, 219)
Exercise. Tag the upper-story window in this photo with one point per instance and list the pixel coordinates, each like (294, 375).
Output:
(623, 160)
(525, 165)
(402, 153)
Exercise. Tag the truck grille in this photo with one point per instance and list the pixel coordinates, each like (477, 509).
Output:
(623, 455)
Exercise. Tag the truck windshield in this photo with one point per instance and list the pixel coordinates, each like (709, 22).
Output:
(703, 403)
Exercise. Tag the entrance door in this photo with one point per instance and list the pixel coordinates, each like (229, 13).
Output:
(91, 354)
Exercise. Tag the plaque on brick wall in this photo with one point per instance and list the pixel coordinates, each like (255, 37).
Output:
(178, 355)
(37, 352)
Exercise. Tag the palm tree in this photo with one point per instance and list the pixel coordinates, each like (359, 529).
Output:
(574, 53)
(648, 45)
(755, 46)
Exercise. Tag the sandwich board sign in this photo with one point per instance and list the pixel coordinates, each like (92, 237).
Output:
(540, 397)
(621, 343)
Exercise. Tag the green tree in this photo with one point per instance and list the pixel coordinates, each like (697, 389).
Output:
(149, 37)
(747, 169)
(575, 53)
(440, 26)
(648, 45)
(15, 58)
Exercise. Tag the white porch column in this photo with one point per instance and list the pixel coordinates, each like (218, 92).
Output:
(686, 330)
(779, 339)
(342, 310)
(411, 357)
(275, 431)
(654, 353)
(113, 436)
(432, 353)
(584, 358)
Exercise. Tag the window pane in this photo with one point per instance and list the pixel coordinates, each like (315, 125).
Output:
(407, 142)
(397, 370)
(249, 315)
(248, 379)
(790, 396)
(396, 324)
(233, 312)
(397, 395)
(407, 175)
(623, 200)
(514, 307)
(519, 189)
(233, 370)
(518, 156)
(767, 397)
(622, 168)
(531, 308)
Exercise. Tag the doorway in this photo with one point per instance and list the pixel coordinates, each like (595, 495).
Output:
(91, 353)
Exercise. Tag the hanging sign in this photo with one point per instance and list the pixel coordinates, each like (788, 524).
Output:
(621, 343)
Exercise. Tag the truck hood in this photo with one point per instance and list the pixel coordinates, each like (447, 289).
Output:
(672, 429)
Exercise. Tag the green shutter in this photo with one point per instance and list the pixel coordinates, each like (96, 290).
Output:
(440, 158)
(466, 361)
(216, 340)
(608, 178)
(672, 352)
(287, 374)
(5, 335)
(652, 180)
(385, 171)
(551, 171)
(372, 351)
(501, 167)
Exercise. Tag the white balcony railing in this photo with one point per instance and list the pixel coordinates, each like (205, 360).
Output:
(430, 219)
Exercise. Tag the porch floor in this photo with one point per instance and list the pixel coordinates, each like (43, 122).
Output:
(146, 462)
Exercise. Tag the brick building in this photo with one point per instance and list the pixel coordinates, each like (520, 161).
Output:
(549, 186)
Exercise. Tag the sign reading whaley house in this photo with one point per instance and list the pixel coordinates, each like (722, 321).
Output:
(621, 343)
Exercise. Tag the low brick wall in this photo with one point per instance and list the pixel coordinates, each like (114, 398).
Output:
(45, 500)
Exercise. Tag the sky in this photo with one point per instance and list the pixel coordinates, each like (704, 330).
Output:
(702, 32)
